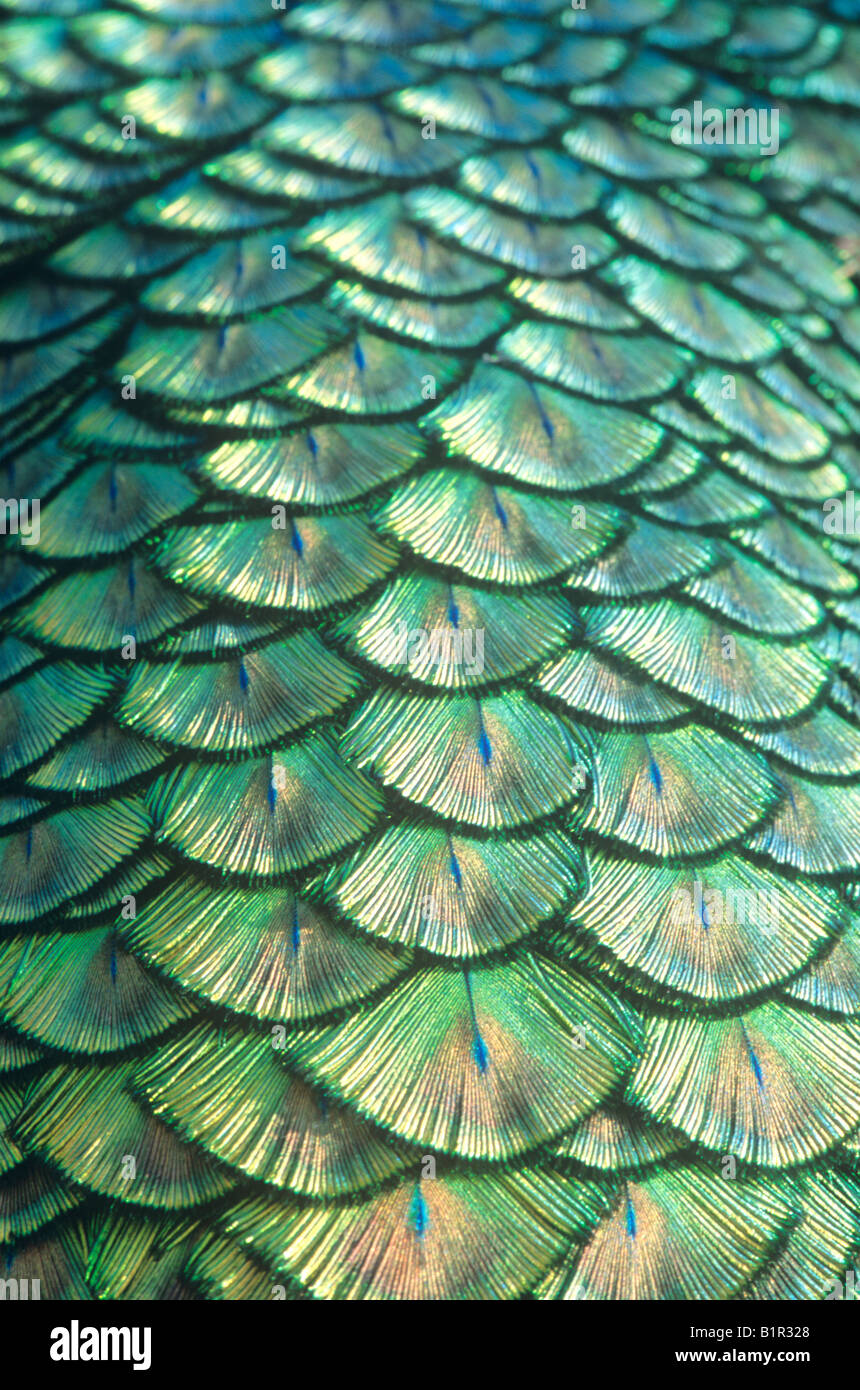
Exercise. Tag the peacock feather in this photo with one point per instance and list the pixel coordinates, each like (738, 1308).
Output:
(430, 689)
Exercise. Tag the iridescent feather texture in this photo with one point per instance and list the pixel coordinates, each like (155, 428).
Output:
(430, 672)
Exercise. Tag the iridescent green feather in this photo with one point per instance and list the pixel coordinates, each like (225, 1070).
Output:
(430, 689)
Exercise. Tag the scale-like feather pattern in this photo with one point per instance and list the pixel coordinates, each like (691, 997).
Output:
(430, 678)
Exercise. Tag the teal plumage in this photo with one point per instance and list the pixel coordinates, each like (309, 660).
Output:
(430, 682)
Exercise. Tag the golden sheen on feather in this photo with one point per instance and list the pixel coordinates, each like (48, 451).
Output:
(430, 668)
